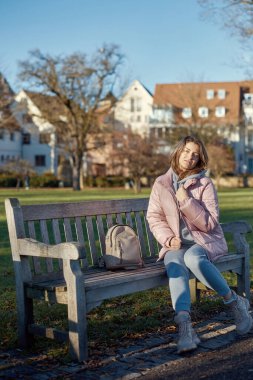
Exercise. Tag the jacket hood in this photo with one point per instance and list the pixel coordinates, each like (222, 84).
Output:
(191, 178)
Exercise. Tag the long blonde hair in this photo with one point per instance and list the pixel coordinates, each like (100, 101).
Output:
(203, 157)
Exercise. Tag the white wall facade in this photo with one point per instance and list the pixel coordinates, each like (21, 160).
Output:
(134, 109)
(10, 146)
(42, 155)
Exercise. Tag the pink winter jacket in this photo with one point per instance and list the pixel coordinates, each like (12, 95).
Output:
(200, 213)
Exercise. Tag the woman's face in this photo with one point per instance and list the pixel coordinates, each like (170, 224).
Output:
(189, 157)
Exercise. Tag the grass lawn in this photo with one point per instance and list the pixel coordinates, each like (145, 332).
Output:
(112, 321)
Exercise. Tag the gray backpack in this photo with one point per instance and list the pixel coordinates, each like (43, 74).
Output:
(122, 248)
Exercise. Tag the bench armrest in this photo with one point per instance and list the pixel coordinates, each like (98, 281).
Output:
(240, 227)
(68, 250)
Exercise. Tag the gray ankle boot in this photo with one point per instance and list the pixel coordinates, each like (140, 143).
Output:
(188, 339)
(240, 309)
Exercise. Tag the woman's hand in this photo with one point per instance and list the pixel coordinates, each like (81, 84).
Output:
(181, 194)
(175, 243)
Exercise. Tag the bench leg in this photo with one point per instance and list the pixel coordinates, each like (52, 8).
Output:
(243, 285)
(194, 290)
(76, 310)
(24, 310)
(24, 319)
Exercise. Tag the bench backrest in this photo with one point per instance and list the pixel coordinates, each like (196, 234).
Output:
(86, 222)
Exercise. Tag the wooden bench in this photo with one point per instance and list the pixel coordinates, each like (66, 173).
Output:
(56, 250)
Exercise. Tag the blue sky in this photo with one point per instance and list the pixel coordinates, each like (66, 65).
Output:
(164, 41)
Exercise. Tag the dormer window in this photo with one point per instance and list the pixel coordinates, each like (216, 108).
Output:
(203, 111)
(44, 138)
(132, 104)
(209, 94)
(186, 113)
(220, 111)
(138, 104)
(221, 94)
(26, 138)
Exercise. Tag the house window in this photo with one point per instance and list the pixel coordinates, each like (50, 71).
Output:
(2, 158)
(26, 138)
(186, 113)
(203, 111)
(220, 111)
(45, 138)
(248, 99)
(26, 118)
(12, 136)
(40, 160)
(221, 94)
(132, 104)
(1, 135)
(138, 119)
(209, 94)
(250, 139)
(138, 104)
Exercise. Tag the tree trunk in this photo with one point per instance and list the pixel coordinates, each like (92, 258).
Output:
(137, 185)
(76, 168)
(76, 179)
(218, 178)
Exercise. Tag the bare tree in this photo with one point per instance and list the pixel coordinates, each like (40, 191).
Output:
(7, 119)
(137, 156)
(236, 15)
(76, 85)
(221, 161)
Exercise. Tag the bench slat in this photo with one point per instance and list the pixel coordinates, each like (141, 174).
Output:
(129, 219)
(80, 238)
(119, 219)
(68, 230)
(35, 260)
(140, 233)
(101, 232)
(84, 208)
(109, 220)
(150, 237)
(45, 239)
(92, 243)
(57, 237)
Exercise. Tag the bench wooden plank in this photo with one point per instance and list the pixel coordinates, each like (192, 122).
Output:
(45, 239)
(85, 208)
(36, 260)
(140, 234)
(101, 233)
(92, 242)
(57, 237)
(129, 219)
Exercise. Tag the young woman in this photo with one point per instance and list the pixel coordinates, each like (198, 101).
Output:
(183, 215)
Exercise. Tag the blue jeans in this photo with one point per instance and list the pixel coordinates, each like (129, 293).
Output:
(193, 259)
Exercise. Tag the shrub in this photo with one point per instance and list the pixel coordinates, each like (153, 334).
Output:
(8, 180)
(45, 180)
(116, 181)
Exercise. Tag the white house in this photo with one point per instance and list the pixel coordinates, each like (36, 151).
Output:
(38, 137)
(134, 109)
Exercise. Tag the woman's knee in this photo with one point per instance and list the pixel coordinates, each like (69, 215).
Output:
(194, 258)
(175, 265)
